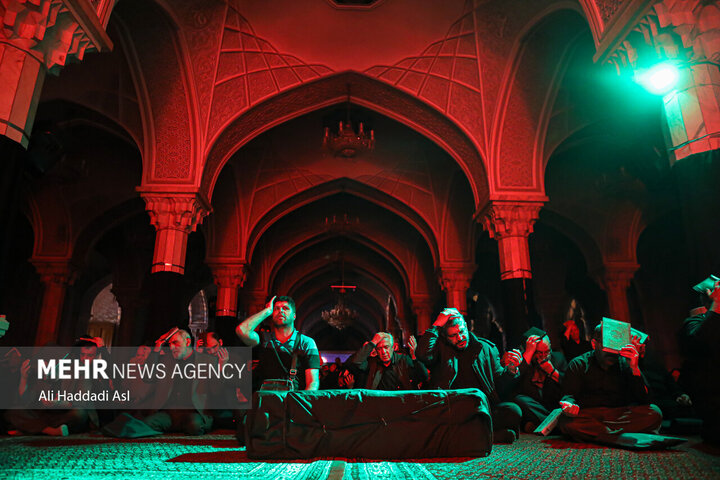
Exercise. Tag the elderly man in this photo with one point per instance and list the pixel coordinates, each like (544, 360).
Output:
(606, 399)
(282, 353)
(387, 369)
(174, 394)
(458, 359)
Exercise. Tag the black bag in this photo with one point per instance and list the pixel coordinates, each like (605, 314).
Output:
(369, 424)
(277, 385)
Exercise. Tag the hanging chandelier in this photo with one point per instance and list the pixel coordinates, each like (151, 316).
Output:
(346, 142)
(340, 316)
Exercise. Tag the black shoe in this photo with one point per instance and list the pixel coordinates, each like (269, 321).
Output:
(504, 435)
(530, 427)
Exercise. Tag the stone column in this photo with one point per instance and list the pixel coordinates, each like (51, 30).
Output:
(510, 223)
(455, 280)
(229, 277)
(422, 305)
(616, 281)
(174, 216)
(686, 33)
(39, 37)
(55, 275)
(254, 301)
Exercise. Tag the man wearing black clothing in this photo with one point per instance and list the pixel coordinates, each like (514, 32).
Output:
(700, 343)
(606, 396)
(174, 416)
(538, 390)
(387, 370)
(458, 359)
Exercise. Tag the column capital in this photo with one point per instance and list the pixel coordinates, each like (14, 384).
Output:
(687, 30)
(175, 211)
(61, 272)
(422, 306)
(54, 32)
(507, 218)
(456, 277)
(174, 216)
(619, 274)
(616, 280)
(254, 301)
(421, 302)
(229, 274)
(455, 280)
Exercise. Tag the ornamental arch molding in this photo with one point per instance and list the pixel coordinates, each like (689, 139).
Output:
(367, 92)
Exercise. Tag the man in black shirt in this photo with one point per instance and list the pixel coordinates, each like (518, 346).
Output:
(700, 344)
(538, 390)
(458, 359)
(606, 396)
(388, 369)
(174, 394)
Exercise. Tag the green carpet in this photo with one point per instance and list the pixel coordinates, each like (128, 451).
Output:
(218, 456)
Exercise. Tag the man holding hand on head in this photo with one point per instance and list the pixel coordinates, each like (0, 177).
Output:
(606, 399)
(700, 342)
(538, 391)
(283, 352)
(458, 359)
(387, 369)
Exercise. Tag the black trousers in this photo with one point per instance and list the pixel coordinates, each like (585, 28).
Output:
(506, 415)
(532, 410)
(605, 424)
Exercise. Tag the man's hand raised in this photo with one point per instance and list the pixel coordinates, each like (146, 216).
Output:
(530, 346)
(513, 357)
(446, 315)
(271, 304)
(630, 352)
(412, 346)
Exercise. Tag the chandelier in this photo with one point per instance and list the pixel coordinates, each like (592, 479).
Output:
(346, 142)
(340, 316)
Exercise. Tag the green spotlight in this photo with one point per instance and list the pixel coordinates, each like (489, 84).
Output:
(659, 79)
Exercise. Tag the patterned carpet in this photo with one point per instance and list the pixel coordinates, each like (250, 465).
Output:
(218, 456)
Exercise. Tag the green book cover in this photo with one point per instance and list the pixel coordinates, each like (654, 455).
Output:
(615, 335)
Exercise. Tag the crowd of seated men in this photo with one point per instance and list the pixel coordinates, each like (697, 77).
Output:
(613, 399)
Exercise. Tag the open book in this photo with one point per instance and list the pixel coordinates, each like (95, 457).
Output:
(549, 423)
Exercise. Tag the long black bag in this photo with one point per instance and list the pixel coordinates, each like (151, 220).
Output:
(369, 424)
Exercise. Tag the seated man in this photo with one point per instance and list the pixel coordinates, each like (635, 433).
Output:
(606, 396)
(175, 394)
(211, 343)
(700, 343)
(664, 389)
(538, 390)
(388, 369)
(56, 417)
(282, 353)
(458, 359)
